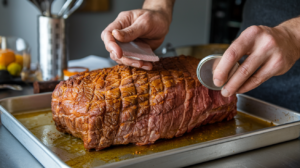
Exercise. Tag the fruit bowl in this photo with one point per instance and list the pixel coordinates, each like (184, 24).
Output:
(14, 58)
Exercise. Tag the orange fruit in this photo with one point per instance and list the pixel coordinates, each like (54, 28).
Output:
(19, 59)
(7, 57)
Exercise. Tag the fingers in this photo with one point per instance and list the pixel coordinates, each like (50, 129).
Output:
(229, 59)
(130, 33)
(110, 43)
(263, 74)
(147, 65)
(124, 29)
(107, 35)
(241, 46)
(269, 69)
(266, 48)
(132, 62)
(245, 70)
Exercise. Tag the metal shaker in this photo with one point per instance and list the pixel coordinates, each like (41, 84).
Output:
(205, 71)
(52, 47)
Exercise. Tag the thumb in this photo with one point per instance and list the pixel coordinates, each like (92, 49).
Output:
(129, 34)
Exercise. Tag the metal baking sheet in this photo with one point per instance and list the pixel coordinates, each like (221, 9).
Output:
(286, 127)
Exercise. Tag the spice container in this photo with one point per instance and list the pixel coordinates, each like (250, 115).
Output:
(73, 71)
(206, 68)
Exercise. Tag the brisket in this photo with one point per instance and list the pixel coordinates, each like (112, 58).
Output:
(122, 105)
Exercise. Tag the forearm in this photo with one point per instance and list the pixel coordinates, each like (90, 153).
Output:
(165, 6)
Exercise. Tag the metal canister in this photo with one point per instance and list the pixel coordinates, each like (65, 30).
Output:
(52, 47)
(206, 69)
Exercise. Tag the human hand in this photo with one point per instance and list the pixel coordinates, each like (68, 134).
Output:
(149, 26)
(272, 52)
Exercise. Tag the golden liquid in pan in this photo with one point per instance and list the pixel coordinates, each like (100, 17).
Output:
(72, 152)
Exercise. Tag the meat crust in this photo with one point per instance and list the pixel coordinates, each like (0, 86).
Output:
(122, 105)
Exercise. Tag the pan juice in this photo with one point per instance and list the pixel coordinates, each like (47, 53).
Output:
(71, 150)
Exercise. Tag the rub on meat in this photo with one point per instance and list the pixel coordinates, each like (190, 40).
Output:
(122, 105)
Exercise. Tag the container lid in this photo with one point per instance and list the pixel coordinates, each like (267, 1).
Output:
(70, 71)
(206, 68)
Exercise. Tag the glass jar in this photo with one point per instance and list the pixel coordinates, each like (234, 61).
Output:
(15, 59)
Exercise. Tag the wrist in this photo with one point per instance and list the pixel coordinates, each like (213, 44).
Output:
(291, 30)
(165, 7)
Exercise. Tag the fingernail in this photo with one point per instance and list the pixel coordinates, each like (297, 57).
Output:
(135, 65)
(224, 92)
(218, 83)
(146, 67)
(114, 32)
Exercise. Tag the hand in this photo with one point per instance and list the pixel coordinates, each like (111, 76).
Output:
(149, 26)
(272, 52)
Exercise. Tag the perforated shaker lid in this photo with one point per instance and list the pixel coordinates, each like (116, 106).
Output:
(206, 68)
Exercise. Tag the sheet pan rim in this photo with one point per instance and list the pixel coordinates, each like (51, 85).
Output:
(155, 155)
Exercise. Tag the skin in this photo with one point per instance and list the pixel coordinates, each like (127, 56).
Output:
(271, 51)
(139, 24)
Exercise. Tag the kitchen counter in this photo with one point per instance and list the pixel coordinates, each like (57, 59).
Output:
(287, 154)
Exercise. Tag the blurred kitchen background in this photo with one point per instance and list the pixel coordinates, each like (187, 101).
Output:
(195, 22)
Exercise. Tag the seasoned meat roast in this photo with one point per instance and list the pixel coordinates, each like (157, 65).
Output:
(122, 104)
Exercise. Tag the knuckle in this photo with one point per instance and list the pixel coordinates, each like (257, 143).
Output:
(279, 63)
(129, 32)
(230, 89)
(103, 34)
(280, 66)
(147, 17)
(231, 54)
(270, 41)
(256, 81)
(123, 13)
(244, 70)
(219, 74)
(126, 61)
(254, 30)
(121, 22)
